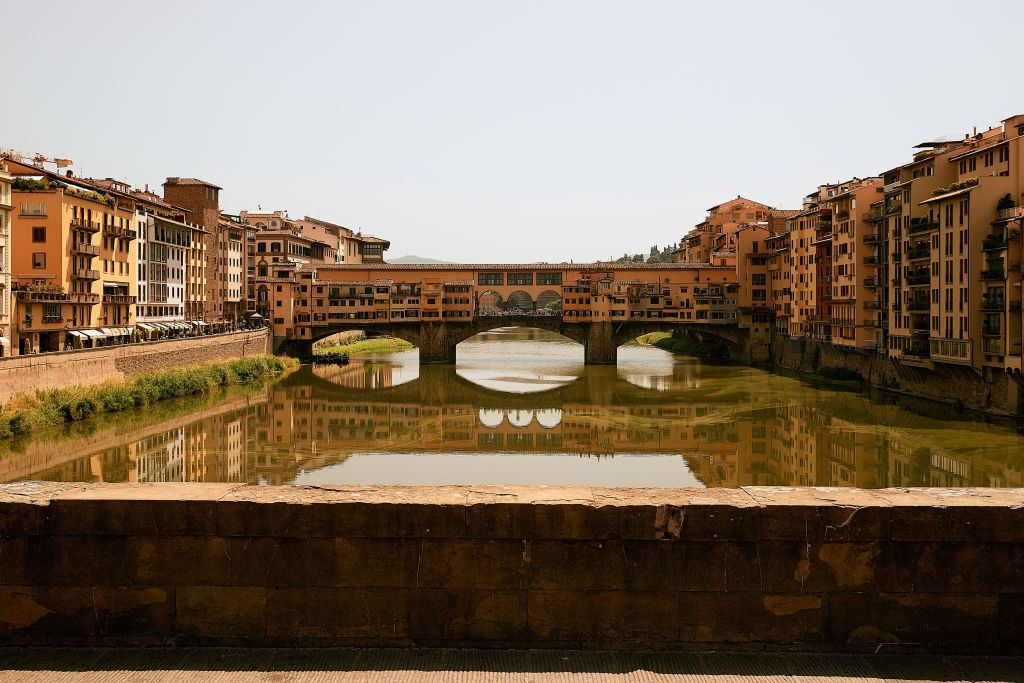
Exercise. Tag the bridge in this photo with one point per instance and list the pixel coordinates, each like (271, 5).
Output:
(434, 307)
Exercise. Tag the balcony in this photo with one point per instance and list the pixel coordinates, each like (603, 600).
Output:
(920, 328)
(919, 252)
(25, 295)
(125, 233)
(922, 225)
(1010, 213)
(994, 274)
(83, 297)
(993, 243)
(919, 278)
(873, 215)
(895, 207)
(90, 227)
(872, 260)
(918, 304)
(118, 299)
(874, 322)
(872, 306)
(870, 283)
(52, 318)
(992, 345)
(85, 248)
(85, 273)
(988, 330)
(897, 257)
(872, 238)
(993, 303)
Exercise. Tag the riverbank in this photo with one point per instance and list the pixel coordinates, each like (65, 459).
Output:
(364, 346)
(48, 408)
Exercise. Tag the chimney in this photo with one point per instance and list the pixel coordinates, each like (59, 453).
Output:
(69, 173)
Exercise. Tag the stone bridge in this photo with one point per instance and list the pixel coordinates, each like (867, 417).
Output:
(437, 340)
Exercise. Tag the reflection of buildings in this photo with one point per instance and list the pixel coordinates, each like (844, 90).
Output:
(727, 440)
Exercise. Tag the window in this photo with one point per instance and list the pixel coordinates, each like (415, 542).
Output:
(39, 234)
(38, 260)
(490, 278)
(549, 278)
(520, 278)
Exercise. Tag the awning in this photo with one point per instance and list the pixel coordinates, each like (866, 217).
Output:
(107, 332)
(202, 323)
(147, 327)
(80, 335)
(95, 334)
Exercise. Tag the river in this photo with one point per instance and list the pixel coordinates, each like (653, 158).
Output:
(520, 407)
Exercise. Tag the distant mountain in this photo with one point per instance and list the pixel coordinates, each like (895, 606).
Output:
(415, 259)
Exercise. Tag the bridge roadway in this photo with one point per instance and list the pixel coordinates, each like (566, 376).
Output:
(436, 340)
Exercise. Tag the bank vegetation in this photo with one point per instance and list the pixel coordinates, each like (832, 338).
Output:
(48, 408)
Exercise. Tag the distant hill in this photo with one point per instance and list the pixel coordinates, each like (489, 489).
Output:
(415, 259)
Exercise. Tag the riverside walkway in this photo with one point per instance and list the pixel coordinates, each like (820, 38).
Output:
(49, 665)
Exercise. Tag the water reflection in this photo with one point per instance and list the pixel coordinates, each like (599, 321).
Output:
(655, 420)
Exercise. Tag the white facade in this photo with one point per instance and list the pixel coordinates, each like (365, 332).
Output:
(162, 246)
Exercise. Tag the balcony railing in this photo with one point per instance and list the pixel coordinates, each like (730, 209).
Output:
(872, 260)
(988, 330)
(116, 231)
(993, 303)
(85, 248)
(993, 243)
(919, 278)
(53, 318)
(872, 306)
(873, 215)
(993, 274)
(918, 305)
(922, 225)
(86, 273)
(1012, 212)
(874, 322)
(870, 283)
(84, 225)
(919, 251)
(895, 207)
(872, 238)
(118, 299)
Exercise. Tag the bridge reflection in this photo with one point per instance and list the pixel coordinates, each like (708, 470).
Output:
(729, 426)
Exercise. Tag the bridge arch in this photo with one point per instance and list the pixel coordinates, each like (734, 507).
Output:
(547, 297)
(520, 301)
(490, 301)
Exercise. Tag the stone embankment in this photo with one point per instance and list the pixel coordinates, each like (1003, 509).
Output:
(86, 367)
(490, 566)
(992, 392)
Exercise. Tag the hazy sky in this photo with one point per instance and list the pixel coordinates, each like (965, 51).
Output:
(502, 131)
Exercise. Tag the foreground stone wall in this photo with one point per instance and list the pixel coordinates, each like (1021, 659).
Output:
(19, 374)
(993, 392)
(489, 566)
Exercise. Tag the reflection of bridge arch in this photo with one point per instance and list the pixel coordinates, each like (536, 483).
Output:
(520, 301)
(549, 418)
(491, 417)
(519, 418)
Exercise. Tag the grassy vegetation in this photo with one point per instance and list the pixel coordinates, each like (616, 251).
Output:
(28, 413)
(688, 345)
(649, 339)
(839, 374)
(362, 346)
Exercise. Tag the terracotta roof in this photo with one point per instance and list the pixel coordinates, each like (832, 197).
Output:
(522, 266)
(175, 180)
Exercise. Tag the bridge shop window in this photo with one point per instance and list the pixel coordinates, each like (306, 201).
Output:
(490, 278)
(549, 278)
(520, 278)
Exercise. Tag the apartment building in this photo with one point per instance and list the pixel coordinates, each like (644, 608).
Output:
(6, 347)
(754, 310)
(856, 263)
(201, 201)
(72, 261)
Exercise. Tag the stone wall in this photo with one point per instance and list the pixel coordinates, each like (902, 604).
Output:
(490, 566)
(19, 374)
(990, 392)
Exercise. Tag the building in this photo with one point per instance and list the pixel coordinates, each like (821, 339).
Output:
(73, 266)
(856, 267)
(6, 347)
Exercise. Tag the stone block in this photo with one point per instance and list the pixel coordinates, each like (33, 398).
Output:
(468, 615)
(476, 563)
(933, 567)
(377, 562)
(578, 565)
(220, 611)
(286, 561)
(178, 561)
(784, 620)
(596, 617)
(929, 620)
(675, 566)
(62, 560)
(365, 613)
(59, 613)
(792, 567)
